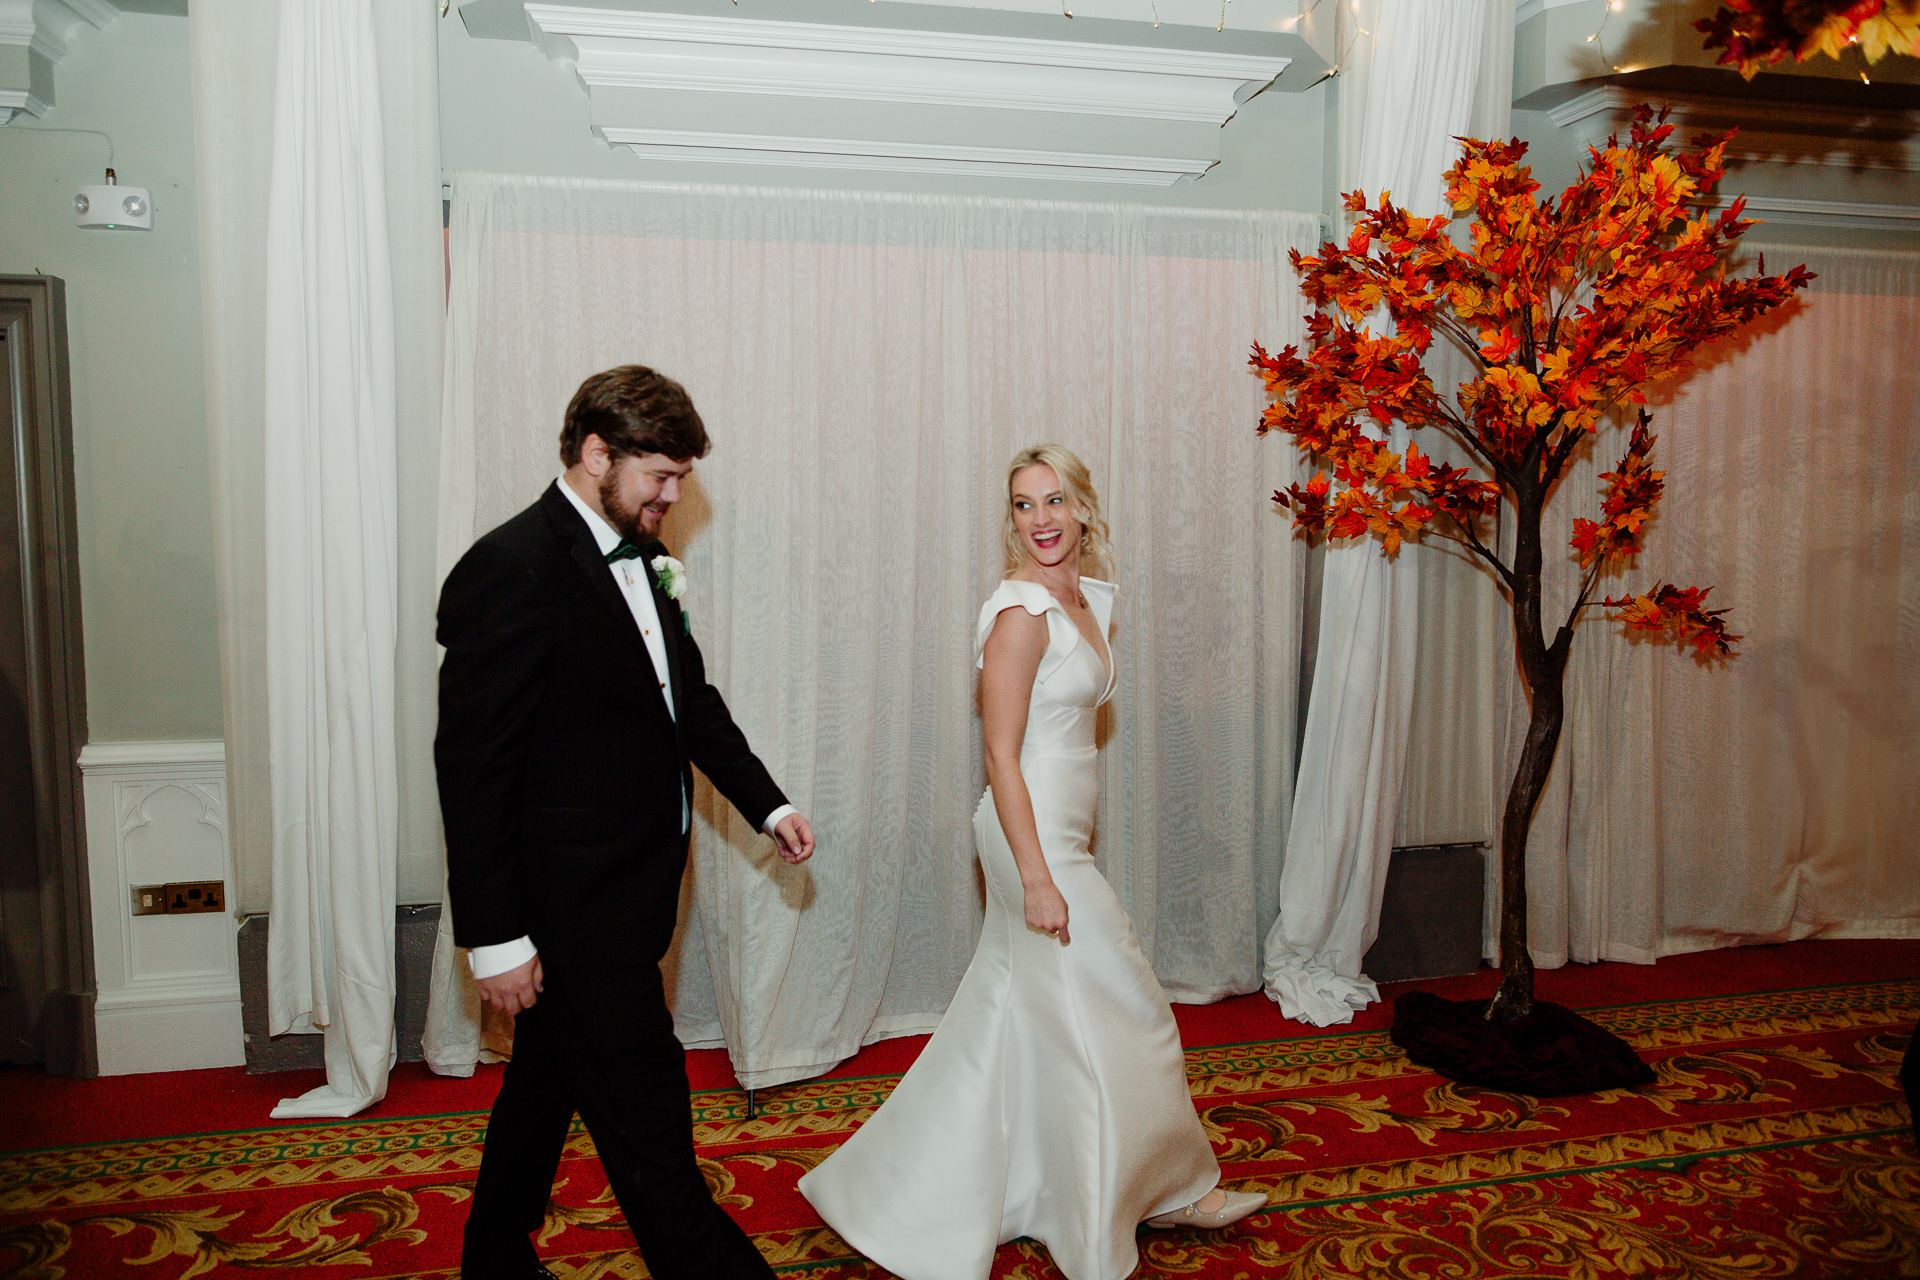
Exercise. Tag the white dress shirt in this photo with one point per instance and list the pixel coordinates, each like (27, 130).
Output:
(633, 579)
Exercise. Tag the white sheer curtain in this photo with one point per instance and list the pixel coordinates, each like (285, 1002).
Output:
(1411, 89)
(866, 364)
(322, 351)
(1774, 796)
(331, 532)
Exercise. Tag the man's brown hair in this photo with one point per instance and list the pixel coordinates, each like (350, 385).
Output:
(633, 410)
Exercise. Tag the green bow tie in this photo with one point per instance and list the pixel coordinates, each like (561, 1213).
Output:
(625, 551)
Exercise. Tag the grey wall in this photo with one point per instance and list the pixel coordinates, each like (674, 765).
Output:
(146, 537)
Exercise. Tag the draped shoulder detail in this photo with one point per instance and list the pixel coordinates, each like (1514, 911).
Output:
(1062, 635)
(1012, 593)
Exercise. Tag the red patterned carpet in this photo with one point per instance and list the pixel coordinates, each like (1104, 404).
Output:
(1774, 1143)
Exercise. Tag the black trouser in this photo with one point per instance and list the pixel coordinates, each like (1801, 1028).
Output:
(600, 1042)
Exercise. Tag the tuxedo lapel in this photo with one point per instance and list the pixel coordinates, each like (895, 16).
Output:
(586, 555)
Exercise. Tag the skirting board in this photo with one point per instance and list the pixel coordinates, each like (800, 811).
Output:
(169, 1029)
(169, 985)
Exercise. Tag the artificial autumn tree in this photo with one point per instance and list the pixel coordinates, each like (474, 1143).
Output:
(1566, 308)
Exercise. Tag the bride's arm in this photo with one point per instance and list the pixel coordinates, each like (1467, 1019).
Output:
(1009, 663)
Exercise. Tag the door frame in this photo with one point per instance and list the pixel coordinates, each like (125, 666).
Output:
(33, 311)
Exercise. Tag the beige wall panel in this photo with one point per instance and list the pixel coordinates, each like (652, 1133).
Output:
(146, 540)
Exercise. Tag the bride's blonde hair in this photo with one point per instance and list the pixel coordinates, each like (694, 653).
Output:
(1083, 503)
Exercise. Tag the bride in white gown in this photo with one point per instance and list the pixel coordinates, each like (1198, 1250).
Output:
(1052, 1102)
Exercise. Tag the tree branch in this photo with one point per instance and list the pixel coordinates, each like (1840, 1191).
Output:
(1589, 581)
(1471, 541)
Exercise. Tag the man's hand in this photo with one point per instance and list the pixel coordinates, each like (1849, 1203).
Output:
(514, 990)
(794, 837)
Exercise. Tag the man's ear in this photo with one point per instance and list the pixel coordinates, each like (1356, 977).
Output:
(594, 456)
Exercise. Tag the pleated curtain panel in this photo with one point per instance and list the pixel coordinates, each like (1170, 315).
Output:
(322, 291)
(331, 534)
(866, 364)
(1411, 90)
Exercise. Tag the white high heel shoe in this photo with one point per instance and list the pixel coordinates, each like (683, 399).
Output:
(1236, 1205)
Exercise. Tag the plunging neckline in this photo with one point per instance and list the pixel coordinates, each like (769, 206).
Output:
(1080, 636)
(1106, 660)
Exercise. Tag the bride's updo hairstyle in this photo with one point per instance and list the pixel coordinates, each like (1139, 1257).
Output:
(1083, 503)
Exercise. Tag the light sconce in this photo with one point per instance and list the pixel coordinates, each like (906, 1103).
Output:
(113, 207)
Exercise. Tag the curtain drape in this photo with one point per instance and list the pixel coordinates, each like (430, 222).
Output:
(1410, 91)
(323, 340)
(866, 365)
(1770, 797)
(331, 550)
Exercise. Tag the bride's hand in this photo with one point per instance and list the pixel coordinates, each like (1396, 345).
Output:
(1047, 911)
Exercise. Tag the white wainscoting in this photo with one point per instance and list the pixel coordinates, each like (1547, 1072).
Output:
(169, 986)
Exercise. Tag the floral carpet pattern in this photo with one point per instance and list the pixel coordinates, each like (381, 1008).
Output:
(1774, 1143)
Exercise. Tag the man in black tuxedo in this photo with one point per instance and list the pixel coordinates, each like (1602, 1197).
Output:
(573, 703)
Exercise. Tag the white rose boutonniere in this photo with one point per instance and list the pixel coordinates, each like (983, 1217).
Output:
(672, 577)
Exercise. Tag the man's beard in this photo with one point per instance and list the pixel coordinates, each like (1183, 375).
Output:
(628, 522)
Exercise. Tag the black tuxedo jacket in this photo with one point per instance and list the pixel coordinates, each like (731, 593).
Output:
(560, 768)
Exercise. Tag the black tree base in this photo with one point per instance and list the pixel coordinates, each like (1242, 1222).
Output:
(1550, 1053)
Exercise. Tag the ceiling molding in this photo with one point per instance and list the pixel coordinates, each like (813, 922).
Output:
(42, 28)
(1770, 130)
(97, 12)
(1830, 213)
(18, 102)
(900, 157)
(621, 49)
(1529, 9)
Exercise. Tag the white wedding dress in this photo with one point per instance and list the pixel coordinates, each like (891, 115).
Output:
(1052, 1102)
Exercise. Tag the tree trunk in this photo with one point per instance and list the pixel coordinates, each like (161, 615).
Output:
(1514, 1000)
(1544, 667)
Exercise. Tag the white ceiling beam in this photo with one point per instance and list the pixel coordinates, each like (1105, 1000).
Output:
(622, 49)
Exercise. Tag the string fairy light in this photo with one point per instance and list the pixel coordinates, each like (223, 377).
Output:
(1607, 10)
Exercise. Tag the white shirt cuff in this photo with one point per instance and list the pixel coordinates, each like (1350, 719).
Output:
(490, 962)
(773, 819)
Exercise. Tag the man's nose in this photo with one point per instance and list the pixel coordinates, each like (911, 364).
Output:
(670, 491)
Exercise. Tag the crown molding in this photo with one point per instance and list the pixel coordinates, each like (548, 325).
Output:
(44, 25)
(96, 12)
(42, 28)
(621, 49)
(19, 102)
(901, 157)
(1527, 10)
(1770, 130)
(1830, 213)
